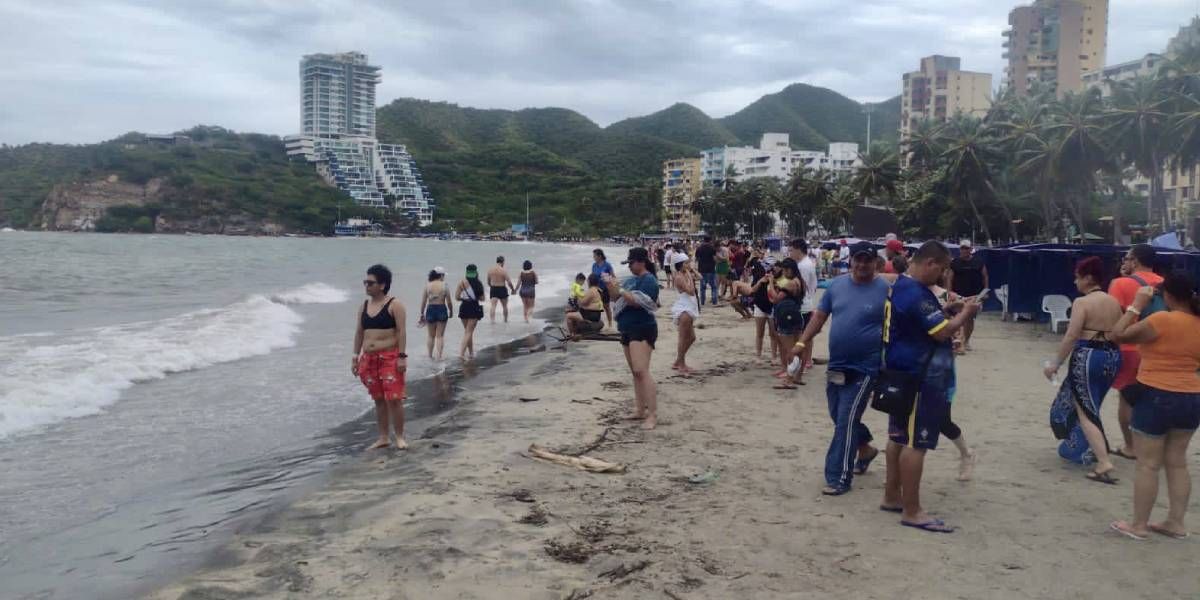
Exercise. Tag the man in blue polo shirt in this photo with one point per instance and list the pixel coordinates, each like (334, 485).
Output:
(855, 301)
(918, 341)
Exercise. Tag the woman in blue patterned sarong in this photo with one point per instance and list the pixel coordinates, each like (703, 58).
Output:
(1094, 362)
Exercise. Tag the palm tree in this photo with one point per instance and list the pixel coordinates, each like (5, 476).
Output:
(1136, 124)
(835, 213)
(969, 149)
(806, 191)
(1023, 138)
(1078, 149)
(923, 145)
(878, 175)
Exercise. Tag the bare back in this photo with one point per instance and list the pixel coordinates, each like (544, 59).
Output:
(497, 276)
(1098, 311)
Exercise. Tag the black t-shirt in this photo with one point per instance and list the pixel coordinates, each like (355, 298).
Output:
(968, 275)
(706, 261)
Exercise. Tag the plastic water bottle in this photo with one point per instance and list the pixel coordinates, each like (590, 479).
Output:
(1046, 364)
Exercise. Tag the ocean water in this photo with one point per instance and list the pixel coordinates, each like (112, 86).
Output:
(155, 389)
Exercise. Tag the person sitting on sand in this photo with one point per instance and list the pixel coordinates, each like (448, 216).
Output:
(527, 291)
(470, 309)
(1094, 363)
(588, 317)
(1166, 407)
(437, 307)
(855, 302)
(918, 343)
(635, 301)
(501, 285)
(684, 312)
(742, 295)
(379, 360)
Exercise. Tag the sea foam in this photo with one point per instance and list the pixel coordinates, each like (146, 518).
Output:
(46, 379)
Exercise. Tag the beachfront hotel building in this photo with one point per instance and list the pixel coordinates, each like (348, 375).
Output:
(337, 135)
(1053, 43)
(685, 178)
(681, 187)
(940, 90)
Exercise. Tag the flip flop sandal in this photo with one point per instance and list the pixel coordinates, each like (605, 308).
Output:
(860, 465)
(934, 526)
(1116, 526)
(1168, 532)
(1104, 478)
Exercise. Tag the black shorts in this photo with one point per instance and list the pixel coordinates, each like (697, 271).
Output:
(604, 295)
(644, 333)
(499, 292)
(920, 428)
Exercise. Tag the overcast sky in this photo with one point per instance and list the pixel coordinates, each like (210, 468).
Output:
(90, 70)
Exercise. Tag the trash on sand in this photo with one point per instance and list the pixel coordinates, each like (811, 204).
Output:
(529, 399)
(702, 478)
(585, 463)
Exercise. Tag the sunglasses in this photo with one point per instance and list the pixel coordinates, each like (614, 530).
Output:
(370, 282)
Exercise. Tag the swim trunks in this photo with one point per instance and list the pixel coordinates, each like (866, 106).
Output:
(499, 292)
(378, 373)
(1131, 360)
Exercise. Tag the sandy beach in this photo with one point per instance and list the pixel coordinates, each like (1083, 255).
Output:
(466, 513)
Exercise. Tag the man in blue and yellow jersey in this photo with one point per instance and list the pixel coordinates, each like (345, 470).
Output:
(918, 341)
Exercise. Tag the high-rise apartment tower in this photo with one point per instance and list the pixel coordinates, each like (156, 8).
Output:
(1054, 42)
(940, 90)
(337, 95)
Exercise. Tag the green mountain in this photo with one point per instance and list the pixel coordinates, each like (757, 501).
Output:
(585, 179)
(814, 117)
(221, 182)
(480, 164)
(681, 123)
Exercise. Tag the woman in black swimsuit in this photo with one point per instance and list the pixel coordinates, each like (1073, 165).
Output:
(528, 281)
(470, 309)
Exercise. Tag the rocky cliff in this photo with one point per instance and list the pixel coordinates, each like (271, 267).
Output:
(82, 206)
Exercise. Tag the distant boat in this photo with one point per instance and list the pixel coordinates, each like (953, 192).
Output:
(8, 230)
(357, 228)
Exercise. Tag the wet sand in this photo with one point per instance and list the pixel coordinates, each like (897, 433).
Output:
(451, 517)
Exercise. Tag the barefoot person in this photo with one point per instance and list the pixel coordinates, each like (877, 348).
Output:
(787, 294)
(470, 309)
(918, 343)
(528, 280)
(685, 311)
(1093, 363)
(587, 317)
(855, 302)
(1166, 407)
(635, 301)
(1139, 262)
(379, 358)
(762, 273)
(436, 310)
(501, 285)
(950, 302)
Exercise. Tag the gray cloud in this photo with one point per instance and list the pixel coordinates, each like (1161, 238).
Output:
(85, 71)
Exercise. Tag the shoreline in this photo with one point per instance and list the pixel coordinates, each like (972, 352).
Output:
(445, 519)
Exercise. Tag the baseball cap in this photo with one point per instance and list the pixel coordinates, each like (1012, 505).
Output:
(889, 237)
(439, 270)
(895, 245)
(862, 248)
(472, 271)
(964, 243)
(637, 255)
(678, 257)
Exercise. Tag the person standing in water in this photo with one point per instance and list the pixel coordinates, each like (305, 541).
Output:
(635, 301)
(684, 312)
(436, 309)
(470, 309)
(501, 285)
(528, 281)
(379, 360)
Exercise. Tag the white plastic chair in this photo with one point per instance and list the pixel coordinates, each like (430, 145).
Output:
(1002, 296)
(1057, 306)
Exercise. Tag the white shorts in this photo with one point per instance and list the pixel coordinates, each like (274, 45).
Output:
(684, 304)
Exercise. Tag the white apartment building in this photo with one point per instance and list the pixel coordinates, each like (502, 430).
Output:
(337, 124)
(774, 157)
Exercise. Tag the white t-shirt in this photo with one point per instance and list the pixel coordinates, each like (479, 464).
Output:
(808, 274)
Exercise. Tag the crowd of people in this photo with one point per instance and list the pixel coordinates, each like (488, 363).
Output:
(898, 318)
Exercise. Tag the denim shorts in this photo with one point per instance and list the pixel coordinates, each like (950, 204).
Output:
(1158, 411)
